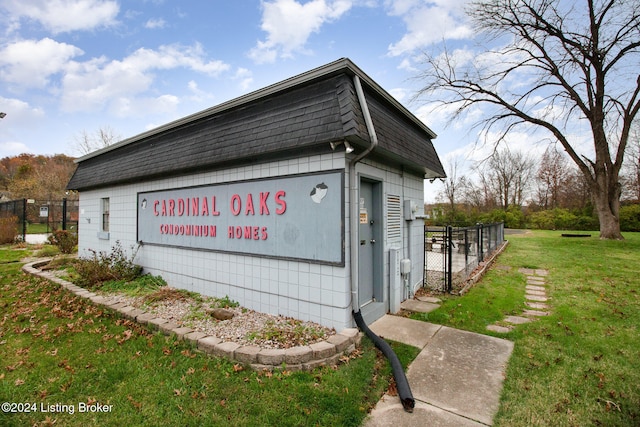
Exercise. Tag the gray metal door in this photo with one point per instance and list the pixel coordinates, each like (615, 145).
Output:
(368, 234)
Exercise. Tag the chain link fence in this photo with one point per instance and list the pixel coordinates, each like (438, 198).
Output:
(452, 254)
(30, 216)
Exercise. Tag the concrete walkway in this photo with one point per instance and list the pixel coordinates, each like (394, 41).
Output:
(456, 379)
(36, 239)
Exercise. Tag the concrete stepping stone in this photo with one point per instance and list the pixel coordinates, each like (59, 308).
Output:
(500, 329)
(535, 313)
(536, 298)
(536, 293)
(517, 320)
(432, 300)
(417, 306)
(537, 305)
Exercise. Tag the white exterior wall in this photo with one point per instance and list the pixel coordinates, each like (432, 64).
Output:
(299, 289)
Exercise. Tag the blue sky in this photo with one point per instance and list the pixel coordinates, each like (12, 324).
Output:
(68, 66)
(74, 66)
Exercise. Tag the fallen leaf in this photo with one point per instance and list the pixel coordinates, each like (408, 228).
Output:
(137, 405)
(393, 390)
(48, 421)
(18, 382)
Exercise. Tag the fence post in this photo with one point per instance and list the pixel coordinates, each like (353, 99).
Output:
(466, 249)
(480, 242)
(24, 220)
(64, 213)
(449, 247)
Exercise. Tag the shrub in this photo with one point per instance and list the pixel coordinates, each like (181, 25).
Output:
(562, 219)
(102, 267)
(512, 217)
(48, 251)
(64, 240)
(8, 229)
(630, 218)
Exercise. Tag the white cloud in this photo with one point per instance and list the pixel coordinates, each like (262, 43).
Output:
(13, 148)
(198, 95)
(427, 23)
(126, 107)
(19, 114)
(59, 16)
(399, 93)
(245, 76)
(92, 84)
(289, 24)
(30, 63)
(154, 23)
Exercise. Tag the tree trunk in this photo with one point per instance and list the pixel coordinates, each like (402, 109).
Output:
(608, 208)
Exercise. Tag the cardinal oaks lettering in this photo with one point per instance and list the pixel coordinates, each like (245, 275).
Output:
(204, 206)
(250, 204)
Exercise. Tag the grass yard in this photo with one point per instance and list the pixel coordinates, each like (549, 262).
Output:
(60, 353)
(579, 366)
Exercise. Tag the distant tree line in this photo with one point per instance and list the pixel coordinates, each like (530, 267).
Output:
(527, 192)
(30, 176)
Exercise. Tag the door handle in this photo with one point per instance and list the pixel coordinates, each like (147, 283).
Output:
(373, 241)
(363, 242)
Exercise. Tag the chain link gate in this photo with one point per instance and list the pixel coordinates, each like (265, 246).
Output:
(452, 254)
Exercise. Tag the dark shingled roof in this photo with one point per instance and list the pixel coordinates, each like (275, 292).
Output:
(298, 116)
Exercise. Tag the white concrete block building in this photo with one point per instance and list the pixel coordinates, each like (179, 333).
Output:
(298, 199)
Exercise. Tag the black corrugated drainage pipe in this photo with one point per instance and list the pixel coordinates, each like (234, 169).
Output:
(404, 391)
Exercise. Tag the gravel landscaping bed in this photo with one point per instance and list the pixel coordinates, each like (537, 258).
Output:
(246, 327)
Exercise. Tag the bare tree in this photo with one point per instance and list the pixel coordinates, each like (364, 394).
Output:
(552, 178)
(576, 193)
(508, 173)
(454, 184)
(85, 143)
(631, 179)
(480, 194)
(564, 63)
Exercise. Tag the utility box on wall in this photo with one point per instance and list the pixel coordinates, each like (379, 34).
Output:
(410, 209)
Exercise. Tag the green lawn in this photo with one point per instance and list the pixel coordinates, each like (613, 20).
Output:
(580, 366)
(58, 351)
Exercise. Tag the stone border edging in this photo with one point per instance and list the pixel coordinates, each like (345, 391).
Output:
(301, 358)
(487, 263)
